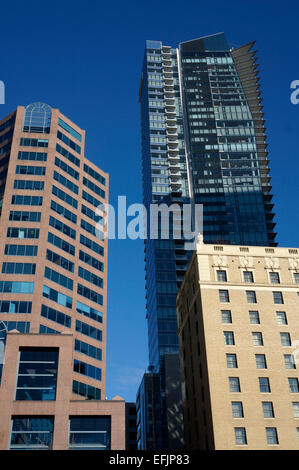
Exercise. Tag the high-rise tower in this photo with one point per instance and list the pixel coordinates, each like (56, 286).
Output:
(53, 280)
(203, 142)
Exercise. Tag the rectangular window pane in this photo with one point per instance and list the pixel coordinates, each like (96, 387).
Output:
(274, 278)
(234, 384)
(226, 316)
(254, 317)
(248, 276)
(32, 433)
(240, 436)
(281, 318)
(260, 361)
(37, 375)
(221, 276)
(268, 409)
(237, 409)
(271, 434)
(264, 385)
(257, 338)
(90, 433)
(223, 296)
(278, 298)
(231, 360)
(251, 296)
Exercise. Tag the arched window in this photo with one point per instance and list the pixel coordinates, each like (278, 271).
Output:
(37, 118)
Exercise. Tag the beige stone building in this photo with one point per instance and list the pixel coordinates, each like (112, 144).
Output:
(53, 280)
(238, 320)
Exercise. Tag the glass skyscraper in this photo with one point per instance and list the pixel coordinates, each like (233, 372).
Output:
(203, 142)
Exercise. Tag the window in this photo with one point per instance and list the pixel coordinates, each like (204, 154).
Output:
(29, 185)
(93, 187)
(285, 339)
(57, 297)
(15, 306)
(24, 216)
(257, 338)
(69, 129)
(68, 169)
(94, 262)
(296, 278)
(237, 409)
(16, 287)
(92, 200)
(229, 338)
(277, 298)
(234, 384)
(293, 384)
(90, 213)
(64, 197)
(281, 318)
(88, 350)
(62, 227)
(240, 436)
(87, 369)
(226, 316)
(87, 391)
(21, 326)
(95, 175)
(221, 276)
(92, 245)
(15, 232)
(251, 296)
(18, 268)
(70, 143)
(20, 250)
(45, 330)
(271, 434)
(264, 385)
(295, 405)
(289, 361)
(254, 317)
(268, 410)
(90, 294)
(274, 278)
(68, 155)
(260, 360)
(64, 212)
(89, 312)
(88, 330)
(21, 200)
(30, 170)
(248, 276)
(37, 374)
(231, 361)
(34, 142)
(89, 432)
(31, 433)
(88, 227)
(65, 182)
(223, 296)
(33, 156)
(56, 316)
(54, 276)
(90, 277)
(63, 245)
(60, 261)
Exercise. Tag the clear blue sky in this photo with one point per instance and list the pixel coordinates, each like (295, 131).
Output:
(85, 59)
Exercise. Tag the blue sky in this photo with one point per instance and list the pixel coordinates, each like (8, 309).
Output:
(85, 59)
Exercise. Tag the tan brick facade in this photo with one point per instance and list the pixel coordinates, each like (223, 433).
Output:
(211, 328)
